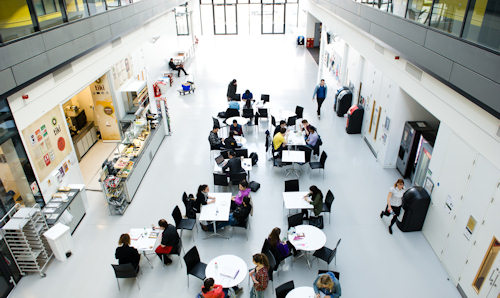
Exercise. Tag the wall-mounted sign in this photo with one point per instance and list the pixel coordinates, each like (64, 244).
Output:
(47, 142)
(469, 229)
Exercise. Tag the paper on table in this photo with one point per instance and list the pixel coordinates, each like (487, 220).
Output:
(49, 210)
(229, 271)
(135, 235)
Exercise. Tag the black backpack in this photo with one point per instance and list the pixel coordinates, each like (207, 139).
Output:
(254, 157)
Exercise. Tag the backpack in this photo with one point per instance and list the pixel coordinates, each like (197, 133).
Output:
(254, 158)
(254, 186)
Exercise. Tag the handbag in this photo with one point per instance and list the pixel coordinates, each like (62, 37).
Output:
(163, 249)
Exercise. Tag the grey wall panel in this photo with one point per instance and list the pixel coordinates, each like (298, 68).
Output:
(478, 86)
(22, 50)
(483, 62)
(102, 35)
(61, 54)
(30, 68)
(7, 81)
(85, 42)
(115, 16)
(128, 11)
(417, 54)
(57, 37)
(98, 21)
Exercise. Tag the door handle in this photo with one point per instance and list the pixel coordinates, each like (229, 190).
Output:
(492, 281)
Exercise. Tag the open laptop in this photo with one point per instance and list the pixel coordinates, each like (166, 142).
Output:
(219, 160)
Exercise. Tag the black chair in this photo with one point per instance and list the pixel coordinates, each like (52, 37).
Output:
(327, 205)
(241, 152)
(295, 220)
(326, 254)
(216, 122)
(262, 113)
(317, 145)
(225, 153)
(266, 246)
(247, 113)
(125, 271)
(291, 121)
(175, 251)
(245, 225)
(292, 185)
(182, 223)
(220, 180)
(185, 201)
(320, 164)
(236, 178)
(273, 121)
(237, 96)
(194, 266)
(337, 274)
(299, 111)
(272, 264)
(264, 97)
(232, 113)
(284, 289)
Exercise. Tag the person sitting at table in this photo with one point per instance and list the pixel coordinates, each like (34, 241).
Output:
(234, 104)
(233, 164)
(280, 249)
(327, 284)
(279, 141)
(126, 254)
(305, 127)
(202, 198)
(236, 128)
(215, 141)
(236, 218)
(315, 198)
(244, 191)
(247, 95)
(169, 241)
(211, 290)
(313, 137)
(230, 141)
(278, 128)
(177, 67)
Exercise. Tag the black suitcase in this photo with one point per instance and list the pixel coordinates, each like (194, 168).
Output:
(254, 186)
(344, 101)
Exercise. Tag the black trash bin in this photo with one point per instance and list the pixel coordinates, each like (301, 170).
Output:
(416, 201)
(354, 119)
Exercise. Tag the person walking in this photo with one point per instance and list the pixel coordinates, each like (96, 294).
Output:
(320, 94)
(394, 202)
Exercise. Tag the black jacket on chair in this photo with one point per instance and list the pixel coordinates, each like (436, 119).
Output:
(126, 254)
(234, 165)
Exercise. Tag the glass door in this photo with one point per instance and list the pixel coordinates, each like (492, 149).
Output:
(225, 19)
(273, 17)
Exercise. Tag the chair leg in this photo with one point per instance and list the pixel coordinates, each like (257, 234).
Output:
(188, 280)
(137, 282)
(118, 284)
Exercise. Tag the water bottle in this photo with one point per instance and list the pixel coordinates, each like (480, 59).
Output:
(216, 267)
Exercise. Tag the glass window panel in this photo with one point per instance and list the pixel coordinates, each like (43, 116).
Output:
(219, 22)
(255, 19)
(418, 10)
(181, 21)
(218, 1)
(448, 15)
(397, 7)
(52, 16)
(112, 4)
(291, 10)
(243, 19)
(267, 1)
(231, 22)
(483, 23)
(39, 8)
(279, 18)
(205, 1)
(291, 1)
(96, 6)
(75, 9)
(207, 19)
(231, 1)
(255, 1)
(267, 18)
(243, 1)
(15, 20)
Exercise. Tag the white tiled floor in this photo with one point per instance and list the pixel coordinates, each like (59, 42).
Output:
(372, 263)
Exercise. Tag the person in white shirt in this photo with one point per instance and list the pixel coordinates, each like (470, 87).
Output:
(394, 202)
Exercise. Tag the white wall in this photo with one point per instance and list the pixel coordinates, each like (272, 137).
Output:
(47, 92)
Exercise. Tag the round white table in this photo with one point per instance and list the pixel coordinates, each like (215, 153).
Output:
(301, 292)
(227, 265)
(313, 239)
(240, 120)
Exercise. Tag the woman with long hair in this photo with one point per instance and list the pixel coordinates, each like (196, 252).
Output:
(127, 254)
(394, 202)
(327, 284)
(315, 198)
(202, 198)
(259, 275)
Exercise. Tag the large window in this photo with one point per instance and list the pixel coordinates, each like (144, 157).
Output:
(482, 24)
(15, 20)
(48, 13)
(182, 20)
(419, 10)
(448, 15)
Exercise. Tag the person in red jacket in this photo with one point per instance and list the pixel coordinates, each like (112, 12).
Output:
(211, 290)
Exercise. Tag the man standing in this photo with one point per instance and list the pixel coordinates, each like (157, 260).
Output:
(177, 67)
(231, 90)
(320, 93)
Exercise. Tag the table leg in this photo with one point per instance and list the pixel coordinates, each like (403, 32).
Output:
(215, 234)
(146, 256)
(306, 256)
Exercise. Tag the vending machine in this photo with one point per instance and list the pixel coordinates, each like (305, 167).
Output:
(409, 146)
(423, 157)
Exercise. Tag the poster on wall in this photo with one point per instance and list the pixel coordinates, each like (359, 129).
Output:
(104, 109)
(48, 142)
(122, 71)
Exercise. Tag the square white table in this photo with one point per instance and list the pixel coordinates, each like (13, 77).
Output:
(293, 157)
(295, 200)
(218, 211)
(295, 138)
(246, 164)
(144, 240)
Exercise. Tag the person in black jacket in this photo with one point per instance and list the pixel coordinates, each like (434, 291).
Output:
(177, 67)
(230, 142)
(202, 198)
(231, 90)
(278, 127)
(126, 254)
(233, 164)
(169, 240)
